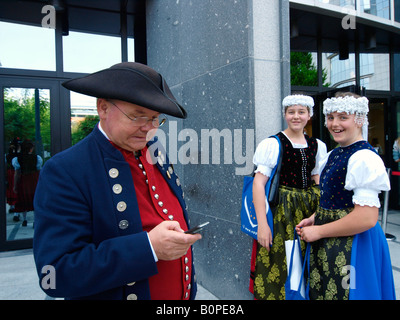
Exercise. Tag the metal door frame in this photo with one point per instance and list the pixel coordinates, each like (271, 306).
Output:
(60, 138)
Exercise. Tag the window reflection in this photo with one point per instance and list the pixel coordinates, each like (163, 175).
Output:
(83, 116)
(340, 73)
(85, 52)
(396, 73)
(27, 141)
(341, 3)
(379, 8)
(375, 71)
(131, 49)
(27, 47)
(397, 11)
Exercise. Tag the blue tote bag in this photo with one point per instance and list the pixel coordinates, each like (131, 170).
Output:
(296, 293)
(248, 213)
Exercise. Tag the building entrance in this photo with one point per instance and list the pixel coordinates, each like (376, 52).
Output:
(393, 146)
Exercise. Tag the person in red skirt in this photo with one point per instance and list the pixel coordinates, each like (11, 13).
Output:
(27, 166)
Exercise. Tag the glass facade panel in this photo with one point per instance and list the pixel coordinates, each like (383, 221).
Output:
(86, 53)
(379, 8)
(396, 73)
(131, 49)
(395, 180)
(397, 11)
(340, 73)
(375, 71)
(341, 3)
(27, 47)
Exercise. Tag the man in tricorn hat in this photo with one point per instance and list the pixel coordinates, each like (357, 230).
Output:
(109, 212)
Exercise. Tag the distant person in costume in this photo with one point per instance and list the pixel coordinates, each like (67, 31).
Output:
(298, 195)
(349, 253)
(27, 166)
(11, 196)
(110, 211)
(396, 152)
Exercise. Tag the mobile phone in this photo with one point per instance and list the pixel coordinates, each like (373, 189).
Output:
(197, 228)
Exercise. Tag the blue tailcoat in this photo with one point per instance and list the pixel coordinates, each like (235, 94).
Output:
(96, 250)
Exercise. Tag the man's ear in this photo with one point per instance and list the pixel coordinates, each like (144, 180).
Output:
(102, 107)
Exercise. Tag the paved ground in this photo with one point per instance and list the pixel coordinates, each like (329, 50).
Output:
(18, 279)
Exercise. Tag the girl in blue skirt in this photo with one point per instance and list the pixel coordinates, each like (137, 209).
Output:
(349, 253)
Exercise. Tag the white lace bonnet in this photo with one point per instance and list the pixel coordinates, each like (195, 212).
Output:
(298, 99)
(350, 105)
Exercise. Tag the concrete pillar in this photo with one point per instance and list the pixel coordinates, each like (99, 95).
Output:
(227, 62)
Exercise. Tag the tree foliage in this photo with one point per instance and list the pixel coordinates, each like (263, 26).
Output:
(83, 128)
(303, 72)
(19, 117)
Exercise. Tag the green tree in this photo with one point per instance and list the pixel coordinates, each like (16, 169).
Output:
(303, 72)
(19, 116)
(83, 128)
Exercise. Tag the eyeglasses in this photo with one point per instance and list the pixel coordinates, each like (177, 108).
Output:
(142, 121)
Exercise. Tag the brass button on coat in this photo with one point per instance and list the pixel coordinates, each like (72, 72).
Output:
(132, 296)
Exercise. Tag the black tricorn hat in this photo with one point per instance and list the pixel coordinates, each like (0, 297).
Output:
(131, 82)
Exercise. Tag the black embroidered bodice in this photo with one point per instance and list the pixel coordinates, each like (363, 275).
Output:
(297, 164)
(333, 177)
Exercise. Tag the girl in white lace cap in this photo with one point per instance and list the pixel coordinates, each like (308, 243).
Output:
(298, 194)
(344, 232)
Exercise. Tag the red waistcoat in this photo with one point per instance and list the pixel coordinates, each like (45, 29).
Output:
(158, 203)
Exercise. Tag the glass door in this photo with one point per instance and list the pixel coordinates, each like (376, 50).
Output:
(377, 128)
(26, 145)
(394, 145)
